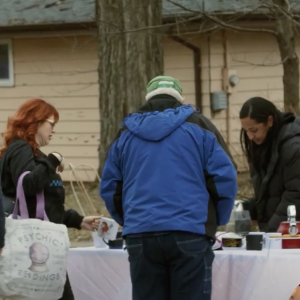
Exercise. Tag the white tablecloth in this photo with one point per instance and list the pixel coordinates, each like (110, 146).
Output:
(102, 274)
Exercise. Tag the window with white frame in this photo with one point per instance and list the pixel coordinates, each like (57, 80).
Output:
(6, 63)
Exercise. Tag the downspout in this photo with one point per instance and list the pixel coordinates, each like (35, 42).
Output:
(197, 68)
(226, 65)
(212, 113)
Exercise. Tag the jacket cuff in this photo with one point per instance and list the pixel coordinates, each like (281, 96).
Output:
(73, 219)
(1, 241)
(77, 221)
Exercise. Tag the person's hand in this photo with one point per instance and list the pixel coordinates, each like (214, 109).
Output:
(296, 294)
(61, 167)
(90, 223)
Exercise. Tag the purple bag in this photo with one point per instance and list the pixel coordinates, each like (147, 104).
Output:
(21, 202)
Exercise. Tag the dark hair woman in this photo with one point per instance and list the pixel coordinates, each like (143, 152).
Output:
(28, 130)
(270, 140)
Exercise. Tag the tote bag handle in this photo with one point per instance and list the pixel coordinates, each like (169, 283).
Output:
(21, 202)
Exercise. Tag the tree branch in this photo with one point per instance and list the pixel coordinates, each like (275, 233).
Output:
(199, 15)
(155, 26)
(222, 23)
(285, 12)
(202, 31)
(261, 65)
(237, 28)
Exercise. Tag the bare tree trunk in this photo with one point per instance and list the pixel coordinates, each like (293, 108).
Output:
(128, 59)
(286, 41)
(144, 53)
(112, 91)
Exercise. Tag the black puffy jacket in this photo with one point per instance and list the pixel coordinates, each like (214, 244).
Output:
(280, 187)
(2, 225)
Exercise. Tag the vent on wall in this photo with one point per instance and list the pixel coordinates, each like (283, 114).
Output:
(219, 101)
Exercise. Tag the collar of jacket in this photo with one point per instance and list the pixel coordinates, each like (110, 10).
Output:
(159, 103)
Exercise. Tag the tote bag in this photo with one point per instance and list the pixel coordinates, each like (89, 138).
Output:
(33, 263)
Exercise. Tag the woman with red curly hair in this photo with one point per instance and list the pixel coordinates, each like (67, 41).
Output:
(28, 130)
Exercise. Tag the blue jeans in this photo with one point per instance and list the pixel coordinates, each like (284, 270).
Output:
(170, 266)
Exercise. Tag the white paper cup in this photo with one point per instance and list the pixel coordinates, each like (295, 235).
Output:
(273, 243)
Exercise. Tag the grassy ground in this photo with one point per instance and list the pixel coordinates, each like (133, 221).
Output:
(82, 238)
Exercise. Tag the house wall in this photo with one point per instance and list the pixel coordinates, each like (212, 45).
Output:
(63, 71)
(256, 60)
(179, 63)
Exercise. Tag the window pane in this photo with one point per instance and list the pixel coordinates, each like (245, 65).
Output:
(4, 62)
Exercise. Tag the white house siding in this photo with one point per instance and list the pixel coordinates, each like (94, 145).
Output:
(63, 71)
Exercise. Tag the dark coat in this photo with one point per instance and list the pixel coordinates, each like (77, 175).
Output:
(280, 187)
(19, 158)
(2, 224)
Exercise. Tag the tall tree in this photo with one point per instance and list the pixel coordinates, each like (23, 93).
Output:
(286, 35)
(128, 58)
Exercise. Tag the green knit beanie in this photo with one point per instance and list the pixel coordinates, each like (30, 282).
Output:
(164, 85)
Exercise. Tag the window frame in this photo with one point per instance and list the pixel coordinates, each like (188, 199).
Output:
(11, 80)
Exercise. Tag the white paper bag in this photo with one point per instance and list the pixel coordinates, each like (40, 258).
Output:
(108, 229)
(98, 241)
(33, 262)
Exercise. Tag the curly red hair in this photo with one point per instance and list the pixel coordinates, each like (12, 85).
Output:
(25, 122)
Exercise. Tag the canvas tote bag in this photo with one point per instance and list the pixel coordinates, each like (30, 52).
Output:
(33, 262)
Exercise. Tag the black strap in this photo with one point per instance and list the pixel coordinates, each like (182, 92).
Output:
(8, 203)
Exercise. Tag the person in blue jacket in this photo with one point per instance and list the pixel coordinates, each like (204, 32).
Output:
(169, 180)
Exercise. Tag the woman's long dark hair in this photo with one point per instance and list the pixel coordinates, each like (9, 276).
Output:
(259, 109)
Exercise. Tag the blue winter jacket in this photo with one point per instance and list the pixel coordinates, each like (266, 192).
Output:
(167, 172)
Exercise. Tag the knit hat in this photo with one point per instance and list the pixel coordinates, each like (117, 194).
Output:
(164, 85)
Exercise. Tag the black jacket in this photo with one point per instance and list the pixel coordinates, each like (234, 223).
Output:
(19, 158)
(2, 224)
(280, 187)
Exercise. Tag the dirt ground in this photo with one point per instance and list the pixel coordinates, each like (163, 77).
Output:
(83, 239)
